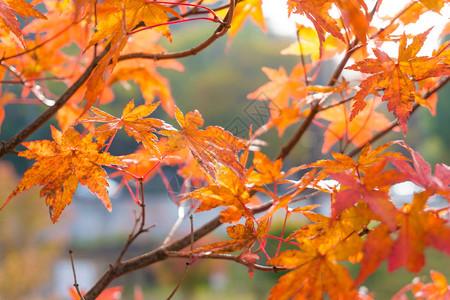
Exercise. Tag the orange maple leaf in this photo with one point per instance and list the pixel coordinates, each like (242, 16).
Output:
(265, 172)
(372, 189)
(317, 12)
(8, 20)
(244, 10)
(152, 85)
(397, 77)
(315, 271)
(329, 232)
(116, 27)
(310, 45)
(367, 158)
(358, 130)
(418, 229)
(421, 174)
(135, 123)
(229, 191)
(61, 165)
(281, 87)
(210, 147)
(243, 237)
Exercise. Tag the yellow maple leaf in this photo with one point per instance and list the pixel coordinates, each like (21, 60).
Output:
(61, 165)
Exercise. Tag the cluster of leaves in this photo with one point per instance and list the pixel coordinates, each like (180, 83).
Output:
(364, 225)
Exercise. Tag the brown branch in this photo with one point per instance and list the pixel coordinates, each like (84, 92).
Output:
(219, 32)
(40, 45)
(159, 254)
(75, 283)
(9, 146)
(228, 257)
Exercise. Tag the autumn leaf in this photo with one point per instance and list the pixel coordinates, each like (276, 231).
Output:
(211, 146)
(373, 189)
(135, 123)
(317, 12)
(61, 165)
(128, 15)
(281, 87)
(377, 248)
(243, 237)
(397, 77)
(367, 158)
(328, 232)
(265, 172)
(422, 175)
(354, 13)
(229, 191)
(418, 229)
(282, 202)
(116, 28)
(309, 45)
(152, 84)
(358, 130)
(316, 271)
(8, 20)
(247, 9)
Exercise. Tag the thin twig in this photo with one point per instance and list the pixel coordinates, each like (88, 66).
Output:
(75, 283)
(237, 259)
(35, 89)
(188, 263)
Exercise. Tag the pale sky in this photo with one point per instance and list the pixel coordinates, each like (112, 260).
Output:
(275, 12)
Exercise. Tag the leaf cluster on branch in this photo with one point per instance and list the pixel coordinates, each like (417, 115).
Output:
(116, 41)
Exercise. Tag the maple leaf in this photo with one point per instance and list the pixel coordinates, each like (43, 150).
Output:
(281, 87)
(116, 28)
(283, 118)
(354, 12)
(243, 237)
(418, 229)
(397, 77)
(315, 272)
(317, 12)
(133, 121)
(229, 191)
(244, 10)
(358, 131)
(61, 165)
(372, 189)
(310, 45)
(439, 289)
(328, 232)
(266, 172)
(151, 83)
(284, 200)
(367, 158)
(8, 20)
(210, 147)
(422, 175)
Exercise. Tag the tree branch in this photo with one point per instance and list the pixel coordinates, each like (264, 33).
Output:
(9, 146)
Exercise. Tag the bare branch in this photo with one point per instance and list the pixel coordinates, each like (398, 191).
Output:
(75, 283)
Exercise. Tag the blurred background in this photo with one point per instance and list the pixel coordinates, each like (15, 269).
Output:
(34, 258)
